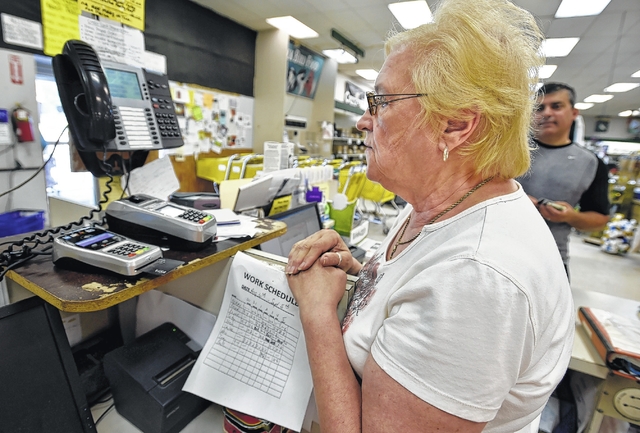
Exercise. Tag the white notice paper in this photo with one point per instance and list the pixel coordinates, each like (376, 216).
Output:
(22, 32)
(113, 41)
(157, 179)
(255, 360)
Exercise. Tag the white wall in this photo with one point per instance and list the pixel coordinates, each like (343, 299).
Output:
(271, 67)
(617, 128)
(29, 154)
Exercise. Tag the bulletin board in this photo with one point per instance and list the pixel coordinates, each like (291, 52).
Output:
(212, 120)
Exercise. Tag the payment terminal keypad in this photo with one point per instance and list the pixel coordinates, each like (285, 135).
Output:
(129, 250)
(195, 216)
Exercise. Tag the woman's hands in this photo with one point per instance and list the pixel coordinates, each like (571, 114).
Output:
(317, 269)
(318, 290)
(325, 246)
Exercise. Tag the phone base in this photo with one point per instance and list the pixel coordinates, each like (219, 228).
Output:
(154, 237)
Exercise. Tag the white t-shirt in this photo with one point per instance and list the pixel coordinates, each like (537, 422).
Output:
(474, 317)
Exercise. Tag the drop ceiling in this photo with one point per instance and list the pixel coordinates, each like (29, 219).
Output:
(608, 51)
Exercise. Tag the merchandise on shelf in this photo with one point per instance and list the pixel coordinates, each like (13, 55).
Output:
(618, 235)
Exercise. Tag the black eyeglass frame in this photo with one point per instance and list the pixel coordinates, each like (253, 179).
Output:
(373, 106)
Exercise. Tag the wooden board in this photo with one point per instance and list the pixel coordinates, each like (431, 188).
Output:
(84, 292)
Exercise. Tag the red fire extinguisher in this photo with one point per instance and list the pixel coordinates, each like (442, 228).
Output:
(22, 124)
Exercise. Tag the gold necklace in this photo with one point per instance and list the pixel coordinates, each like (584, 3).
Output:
(434, 219)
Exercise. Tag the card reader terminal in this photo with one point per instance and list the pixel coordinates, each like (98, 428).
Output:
(197, 200)
(89, 247)
(159, 222)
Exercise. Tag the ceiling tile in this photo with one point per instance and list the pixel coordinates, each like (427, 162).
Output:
(368, 22)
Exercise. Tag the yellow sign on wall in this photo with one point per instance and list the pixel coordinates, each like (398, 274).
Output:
(128, 12)
(59, 24)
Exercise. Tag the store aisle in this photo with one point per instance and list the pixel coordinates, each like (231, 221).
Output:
(593, 269)
(590, 268)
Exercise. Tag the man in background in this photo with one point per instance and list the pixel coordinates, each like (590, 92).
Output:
(567, 183)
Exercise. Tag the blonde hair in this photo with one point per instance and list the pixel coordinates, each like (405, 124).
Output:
(479, 56)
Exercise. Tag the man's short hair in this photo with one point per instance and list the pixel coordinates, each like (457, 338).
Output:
(548, 88)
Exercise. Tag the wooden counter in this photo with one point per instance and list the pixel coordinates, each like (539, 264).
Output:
(84, 292)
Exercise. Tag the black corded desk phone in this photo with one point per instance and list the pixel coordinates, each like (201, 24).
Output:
(112, 106)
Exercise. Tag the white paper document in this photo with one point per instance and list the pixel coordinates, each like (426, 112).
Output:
(255, 360)
(156, 179)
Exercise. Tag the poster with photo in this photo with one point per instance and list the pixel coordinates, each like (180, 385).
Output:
(303, 71)
(354, 95)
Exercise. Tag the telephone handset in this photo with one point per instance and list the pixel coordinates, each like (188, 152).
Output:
(112, 106)
(84, 94)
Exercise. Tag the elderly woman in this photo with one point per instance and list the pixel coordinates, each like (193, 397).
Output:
(463, 320)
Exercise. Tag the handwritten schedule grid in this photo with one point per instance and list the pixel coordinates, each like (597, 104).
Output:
(255, 345)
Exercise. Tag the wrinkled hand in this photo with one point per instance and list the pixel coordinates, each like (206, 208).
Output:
(318, 287)
(326, 247)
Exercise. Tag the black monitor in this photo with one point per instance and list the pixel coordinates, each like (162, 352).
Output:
(301, 221)
(41, 389)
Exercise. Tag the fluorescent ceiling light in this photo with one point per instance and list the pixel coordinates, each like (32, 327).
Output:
(340, 55)
(367, 74)
(558, 47)
(583, 105)
(580, 8)
(538, 86)
(411, 14)
(598, 98)
(625, 113)
(621, 87)
(636, 74)
(546, 71)
(293, 27)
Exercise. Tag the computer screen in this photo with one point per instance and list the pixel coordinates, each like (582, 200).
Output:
(301, 222)
(41, 389)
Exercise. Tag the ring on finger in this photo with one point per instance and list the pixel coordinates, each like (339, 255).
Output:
(339, 259)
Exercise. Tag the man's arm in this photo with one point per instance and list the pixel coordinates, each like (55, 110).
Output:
(584, 221)
(594, 205)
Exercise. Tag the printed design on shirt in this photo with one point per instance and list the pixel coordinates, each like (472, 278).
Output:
(364, 290)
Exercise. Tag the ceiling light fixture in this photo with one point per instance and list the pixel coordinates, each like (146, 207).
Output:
(583, 105)
(293, 27)
(558, 47)
(580, 8)
(367, 74)
(546, 71)
(635, 74)
(626, 113)
(621, 87)
(598, 98)
(411, 14)
(341, 55)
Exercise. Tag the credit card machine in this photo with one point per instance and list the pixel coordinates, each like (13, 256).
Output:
(197, 200)
(88, 247)
(159, 222)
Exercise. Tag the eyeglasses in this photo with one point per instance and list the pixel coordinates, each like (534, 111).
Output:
(374, 100)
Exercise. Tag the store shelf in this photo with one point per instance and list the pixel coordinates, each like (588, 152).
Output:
(349, 108)
(350, 155)
(348, 140)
